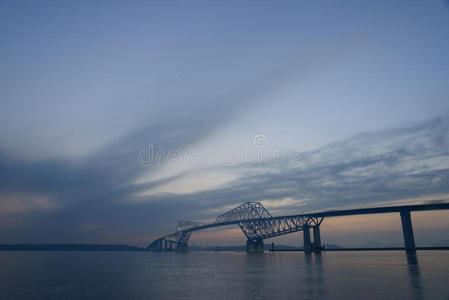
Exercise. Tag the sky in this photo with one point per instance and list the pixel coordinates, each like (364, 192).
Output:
(120, 118)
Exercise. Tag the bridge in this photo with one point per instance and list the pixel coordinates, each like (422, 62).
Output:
(257, 224)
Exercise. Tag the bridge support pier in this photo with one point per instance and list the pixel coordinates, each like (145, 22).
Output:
(254, 246)
(181, 247)
(307, 243)
(316, 238)
(159, 245)
(407, 230)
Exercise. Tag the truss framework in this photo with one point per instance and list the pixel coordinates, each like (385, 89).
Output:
(259, 229)
(246, 211)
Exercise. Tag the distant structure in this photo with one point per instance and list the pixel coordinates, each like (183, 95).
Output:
(258, 224)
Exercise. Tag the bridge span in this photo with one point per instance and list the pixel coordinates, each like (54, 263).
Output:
(258, 224)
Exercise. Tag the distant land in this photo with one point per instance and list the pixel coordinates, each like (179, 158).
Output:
(123, 247)
(266, 247)
(118, 247)
(68, 247)
(242, 248)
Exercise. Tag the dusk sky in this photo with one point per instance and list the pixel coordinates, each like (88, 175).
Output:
(120, 118)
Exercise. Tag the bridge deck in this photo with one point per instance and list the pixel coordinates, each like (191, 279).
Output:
(337, 213)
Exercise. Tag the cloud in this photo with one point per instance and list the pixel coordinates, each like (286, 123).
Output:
(97, 189)
(378, 167)
(96, 199)
(77, 111)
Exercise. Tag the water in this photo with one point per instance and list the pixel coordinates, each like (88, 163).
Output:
(223, 275)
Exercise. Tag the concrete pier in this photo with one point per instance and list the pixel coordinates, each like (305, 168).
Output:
(316, 239)
(407, 230)
(254, 246)
(307, 243)
(182, 247)
(159, 245)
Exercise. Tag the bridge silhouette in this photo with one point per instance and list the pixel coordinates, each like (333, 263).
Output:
(257, 224)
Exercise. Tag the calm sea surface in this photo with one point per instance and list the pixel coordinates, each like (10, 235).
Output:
(223, 275)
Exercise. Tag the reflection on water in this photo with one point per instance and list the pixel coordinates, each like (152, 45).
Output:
(224, 275)
(415, 278)
(314, 279)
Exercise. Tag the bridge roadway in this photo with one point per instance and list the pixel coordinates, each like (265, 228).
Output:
(257, 224)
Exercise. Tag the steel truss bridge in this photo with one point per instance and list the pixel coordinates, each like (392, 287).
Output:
(258, 224)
